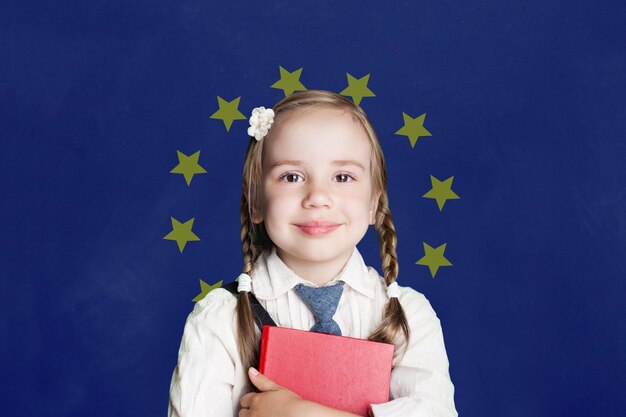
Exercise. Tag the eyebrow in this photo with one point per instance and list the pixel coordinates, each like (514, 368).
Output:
(341, 162)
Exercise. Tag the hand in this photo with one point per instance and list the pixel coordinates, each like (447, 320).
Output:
(272, 401)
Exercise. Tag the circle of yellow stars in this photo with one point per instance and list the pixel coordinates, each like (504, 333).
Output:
(289, 82)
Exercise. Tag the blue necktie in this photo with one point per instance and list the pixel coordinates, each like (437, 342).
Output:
(323, 303)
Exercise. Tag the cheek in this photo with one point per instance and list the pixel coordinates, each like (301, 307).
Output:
(278, 204)
(272, 198)
(357, 205)
(280, 211)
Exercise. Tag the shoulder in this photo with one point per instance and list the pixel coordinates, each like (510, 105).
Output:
(420, 315)
(212, 318)
(413, 302)
(216, 309)
(408, 295)
(209, 332)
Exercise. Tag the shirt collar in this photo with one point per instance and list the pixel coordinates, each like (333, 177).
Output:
(271, 278)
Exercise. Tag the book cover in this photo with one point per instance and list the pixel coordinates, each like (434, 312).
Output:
(337, 371)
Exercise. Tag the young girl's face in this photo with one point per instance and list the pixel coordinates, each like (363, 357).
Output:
(317, 199)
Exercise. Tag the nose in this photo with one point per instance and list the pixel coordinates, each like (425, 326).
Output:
(317, 195)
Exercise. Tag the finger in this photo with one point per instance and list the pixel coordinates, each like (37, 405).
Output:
(262, 382)
(246, 400)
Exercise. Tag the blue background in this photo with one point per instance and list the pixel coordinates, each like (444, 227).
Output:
(526, 105)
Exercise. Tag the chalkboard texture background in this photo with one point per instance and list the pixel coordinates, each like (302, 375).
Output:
(526, 106)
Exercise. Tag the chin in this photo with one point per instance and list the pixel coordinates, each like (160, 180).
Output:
(319, 253)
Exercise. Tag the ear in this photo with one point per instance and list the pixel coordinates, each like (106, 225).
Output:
(374, 206)
(256, 217)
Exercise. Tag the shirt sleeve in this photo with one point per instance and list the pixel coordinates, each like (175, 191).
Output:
(203, 380)
(420, 383)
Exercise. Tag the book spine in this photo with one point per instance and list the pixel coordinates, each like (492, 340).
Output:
(264, 342)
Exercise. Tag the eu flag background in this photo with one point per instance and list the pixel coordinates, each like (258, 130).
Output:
(503, 126)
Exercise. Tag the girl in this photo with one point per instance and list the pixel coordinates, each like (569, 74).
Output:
(314, 179)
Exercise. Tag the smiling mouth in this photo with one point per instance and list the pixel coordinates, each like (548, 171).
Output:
(318, 228)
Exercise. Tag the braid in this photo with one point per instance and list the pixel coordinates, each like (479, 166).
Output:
(388, 240)
(246, 337)
(394, 318)
(247, 238)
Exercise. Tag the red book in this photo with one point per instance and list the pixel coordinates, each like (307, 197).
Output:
(341, 372)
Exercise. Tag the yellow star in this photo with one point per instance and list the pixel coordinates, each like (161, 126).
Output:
(441, 191)
(357, 89)
(413, 128)
(205, 289)
(188, 166)
(433, 258)
(289, 81)
(228, 111)
(181, 233)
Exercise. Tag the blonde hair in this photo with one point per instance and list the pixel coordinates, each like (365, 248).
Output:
(255, 240)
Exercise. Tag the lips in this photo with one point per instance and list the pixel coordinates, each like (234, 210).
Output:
(318, 227)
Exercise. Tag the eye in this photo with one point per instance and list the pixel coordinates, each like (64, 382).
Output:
(344, 178)
(291, 177)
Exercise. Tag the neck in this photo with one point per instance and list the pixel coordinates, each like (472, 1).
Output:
(318, 272)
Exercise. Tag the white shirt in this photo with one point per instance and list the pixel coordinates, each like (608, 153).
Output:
(209, 379)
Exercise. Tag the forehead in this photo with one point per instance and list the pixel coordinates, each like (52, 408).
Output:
(316, 135)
